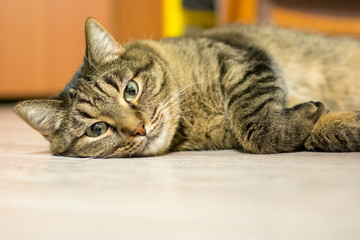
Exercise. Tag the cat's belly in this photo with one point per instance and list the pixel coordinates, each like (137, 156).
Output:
(197, 133)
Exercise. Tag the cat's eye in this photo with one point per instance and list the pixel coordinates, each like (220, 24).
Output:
(97, 129)
(131, 90)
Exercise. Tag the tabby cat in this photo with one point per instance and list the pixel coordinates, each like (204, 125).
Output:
(258, 89)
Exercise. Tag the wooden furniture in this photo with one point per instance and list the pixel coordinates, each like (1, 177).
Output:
(337, 17)
(42, 42)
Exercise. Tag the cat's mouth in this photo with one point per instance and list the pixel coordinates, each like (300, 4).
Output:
(154, 142)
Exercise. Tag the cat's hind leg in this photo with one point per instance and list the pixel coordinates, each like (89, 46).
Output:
(336, 132)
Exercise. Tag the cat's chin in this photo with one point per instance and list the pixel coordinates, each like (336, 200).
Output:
(155, 145)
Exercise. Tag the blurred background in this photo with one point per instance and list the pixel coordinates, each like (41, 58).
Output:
(42, 41)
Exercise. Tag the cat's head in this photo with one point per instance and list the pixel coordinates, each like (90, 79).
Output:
(120, 103)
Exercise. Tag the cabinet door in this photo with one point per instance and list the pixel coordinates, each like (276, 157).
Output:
(42, 42)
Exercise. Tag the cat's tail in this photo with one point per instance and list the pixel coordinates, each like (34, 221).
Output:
(336, 132)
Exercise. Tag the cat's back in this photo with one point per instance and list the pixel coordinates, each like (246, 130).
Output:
(314, 66)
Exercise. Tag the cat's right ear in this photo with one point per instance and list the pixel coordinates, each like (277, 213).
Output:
(101, 47)
(44, 115)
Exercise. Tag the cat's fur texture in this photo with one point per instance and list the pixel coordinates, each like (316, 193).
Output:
(243, 87)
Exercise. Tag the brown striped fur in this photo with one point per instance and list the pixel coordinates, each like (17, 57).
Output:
(252, 88)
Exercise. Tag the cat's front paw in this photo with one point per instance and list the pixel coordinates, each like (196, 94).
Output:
(310, 110)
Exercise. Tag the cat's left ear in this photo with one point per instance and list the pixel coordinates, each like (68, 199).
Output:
(44, 115)
(101, 47)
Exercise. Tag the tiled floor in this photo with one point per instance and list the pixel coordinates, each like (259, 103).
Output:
(187, 195)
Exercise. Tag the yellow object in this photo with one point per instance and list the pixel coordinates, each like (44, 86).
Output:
(176, 18)
(173, 23)
(198, 18)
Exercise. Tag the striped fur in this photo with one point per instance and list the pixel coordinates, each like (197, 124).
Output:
(256, 89)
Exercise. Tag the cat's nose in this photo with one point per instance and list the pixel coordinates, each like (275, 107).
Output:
(140, 130)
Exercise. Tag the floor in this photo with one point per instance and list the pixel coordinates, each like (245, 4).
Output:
(186, 195)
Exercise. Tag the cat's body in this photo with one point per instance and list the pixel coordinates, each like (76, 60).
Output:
(242, 87)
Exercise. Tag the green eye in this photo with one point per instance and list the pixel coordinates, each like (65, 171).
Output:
(131, 90)
(97, 129)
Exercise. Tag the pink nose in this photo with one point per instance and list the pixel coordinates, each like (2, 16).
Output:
(140, 130)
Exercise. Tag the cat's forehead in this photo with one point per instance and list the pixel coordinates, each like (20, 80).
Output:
(124, 66)
(101, 87)
(101, 83)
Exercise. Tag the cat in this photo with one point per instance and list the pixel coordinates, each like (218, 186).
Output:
(258, 89)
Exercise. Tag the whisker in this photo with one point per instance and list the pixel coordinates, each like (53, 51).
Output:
(176, 102)
(180, 99)
(168, 109)
(168, 118)
(182, 95)
(180, 105)
(171, 116)
(177, 93)
(183, 103)
(174, 94)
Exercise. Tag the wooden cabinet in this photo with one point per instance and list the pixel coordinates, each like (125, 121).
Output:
(42, 42)
(331, 16)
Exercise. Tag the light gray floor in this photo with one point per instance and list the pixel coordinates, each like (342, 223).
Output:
(186, 195)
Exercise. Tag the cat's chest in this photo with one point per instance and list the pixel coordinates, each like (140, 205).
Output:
(203, 130)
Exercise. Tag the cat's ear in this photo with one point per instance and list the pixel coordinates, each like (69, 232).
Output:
(44, 116)
(101, 47)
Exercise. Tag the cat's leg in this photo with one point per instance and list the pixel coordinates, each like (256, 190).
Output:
(272, 129)
(255, 106)
(336, 132)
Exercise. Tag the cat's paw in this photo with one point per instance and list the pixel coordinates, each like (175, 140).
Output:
(336, 132)
(310, 110)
